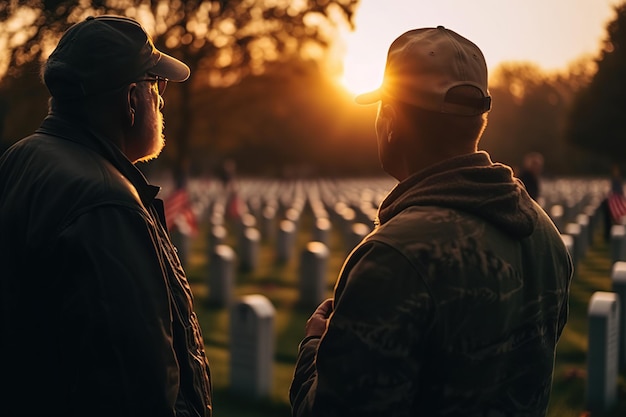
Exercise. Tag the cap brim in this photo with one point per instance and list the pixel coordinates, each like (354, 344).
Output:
(368, 98)
(170, 68)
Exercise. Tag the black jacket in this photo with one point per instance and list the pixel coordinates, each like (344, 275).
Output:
(96, 313)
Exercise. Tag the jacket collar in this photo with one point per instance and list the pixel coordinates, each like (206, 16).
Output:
(75, 131)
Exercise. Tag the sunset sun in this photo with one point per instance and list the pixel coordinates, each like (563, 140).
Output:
(364, 62)
(524, 32)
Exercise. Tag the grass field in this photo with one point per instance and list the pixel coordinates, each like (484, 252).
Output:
(279, 284)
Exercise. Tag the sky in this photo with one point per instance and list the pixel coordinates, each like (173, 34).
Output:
(550, 33)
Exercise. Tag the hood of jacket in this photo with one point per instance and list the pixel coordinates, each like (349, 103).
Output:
(470, 183)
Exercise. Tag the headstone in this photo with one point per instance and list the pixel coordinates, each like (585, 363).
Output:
(252, 346)
(592, 212)
(347, 218)
(574, 230)
(217, 236)
(221, 275)
(321, 230)
(557, 214)
(357, 232)
(285, 241)
(585, 230)
(249, 249)
(618, 277)
(618, 246)
(313, 269)
(602, 351)
(268, 223)
(292, 214)
(246, 221)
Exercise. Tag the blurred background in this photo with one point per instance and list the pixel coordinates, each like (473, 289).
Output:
(273, 81)
(266, 130)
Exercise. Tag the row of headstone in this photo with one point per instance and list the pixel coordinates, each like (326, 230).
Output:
(278, 220)
(563, 199)
(251, 317)
(578, 234)
(312, 280)
(283, 225)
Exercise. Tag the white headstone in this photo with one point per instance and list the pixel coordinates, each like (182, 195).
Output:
(321, 230)
(252, 346)
(285, 241)
(268, 223)
(217, 236)
(357, 232)
(249, 248)
(583, 221)
(221, 275)
(618, 246)
(574, 230)
(602, 351)
(313, 270)
(618, 277)
(557, 214)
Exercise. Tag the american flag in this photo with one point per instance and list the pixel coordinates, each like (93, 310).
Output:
(179, 214)
(617, 206)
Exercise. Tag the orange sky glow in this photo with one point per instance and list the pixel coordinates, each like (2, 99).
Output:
(550, 33)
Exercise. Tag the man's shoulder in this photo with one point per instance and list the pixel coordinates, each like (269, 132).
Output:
(62, 169)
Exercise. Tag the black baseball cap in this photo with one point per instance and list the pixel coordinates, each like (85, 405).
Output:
(104, 53)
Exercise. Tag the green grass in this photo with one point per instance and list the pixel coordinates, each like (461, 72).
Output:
(593, 273)
(278, 282)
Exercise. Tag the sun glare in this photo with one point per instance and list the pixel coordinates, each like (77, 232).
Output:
(524, 32)
(358, 78)
(363, 65)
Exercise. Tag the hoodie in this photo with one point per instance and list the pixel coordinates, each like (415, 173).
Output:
(471, 183)
(438, 312)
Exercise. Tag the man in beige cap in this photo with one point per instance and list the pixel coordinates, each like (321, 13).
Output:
(97, 314)
(453, 305)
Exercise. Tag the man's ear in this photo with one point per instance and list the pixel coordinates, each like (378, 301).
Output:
(132, 100)
(387, 120)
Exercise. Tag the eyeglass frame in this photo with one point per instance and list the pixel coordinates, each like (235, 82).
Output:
(161, 82)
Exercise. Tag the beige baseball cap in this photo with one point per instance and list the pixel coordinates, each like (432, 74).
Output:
(424, 67)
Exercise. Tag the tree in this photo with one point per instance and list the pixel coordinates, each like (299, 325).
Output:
(527, 114)
(596, 120)
(222, 41)
(530, 115)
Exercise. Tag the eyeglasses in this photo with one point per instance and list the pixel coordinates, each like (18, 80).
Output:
(160, 82)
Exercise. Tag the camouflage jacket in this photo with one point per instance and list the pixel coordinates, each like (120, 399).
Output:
(452, 306)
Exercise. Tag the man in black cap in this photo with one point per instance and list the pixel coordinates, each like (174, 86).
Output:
(96, 312)
(454, 304)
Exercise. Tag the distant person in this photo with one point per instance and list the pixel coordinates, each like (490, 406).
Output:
(530, 174)
(226, 174)
(97, 314)
(614, 205)
(454, 304)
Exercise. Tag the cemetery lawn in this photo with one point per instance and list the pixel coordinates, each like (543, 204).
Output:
(279, 284)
